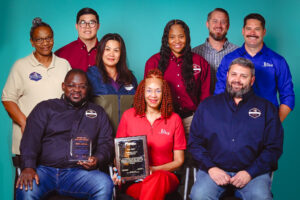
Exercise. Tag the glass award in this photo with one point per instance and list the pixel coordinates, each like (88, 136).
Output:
(80, 149)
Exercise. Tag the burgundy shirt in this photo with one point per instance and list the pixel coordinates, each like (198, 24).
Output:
(184, 104)
(77, 55)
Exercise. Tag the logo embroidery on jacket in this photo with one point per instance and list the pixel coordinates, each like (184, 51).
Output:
(91, 114)
(254, 113)
(197, 69)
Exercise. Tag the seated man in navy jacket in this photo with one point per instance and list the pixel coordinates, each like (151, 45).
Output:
(236, 139)
(48, 147)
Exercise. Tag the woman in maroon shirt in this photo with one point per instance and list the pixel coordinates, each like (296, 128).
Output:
(187, 74)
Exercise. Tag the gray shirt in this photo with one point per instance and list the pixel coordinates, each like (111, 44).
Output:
(213, 57)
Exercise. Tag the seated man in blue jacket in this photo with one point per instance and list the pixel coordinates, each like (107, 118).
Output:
(236, 139)
(59, 135)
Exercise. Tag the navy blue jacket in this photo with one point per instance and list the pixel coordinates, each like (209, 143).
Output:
(50, 127)
(247, 136)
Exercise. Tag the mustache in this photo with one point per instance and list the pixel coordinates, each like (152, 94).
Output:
(236, 82)
(252, 36)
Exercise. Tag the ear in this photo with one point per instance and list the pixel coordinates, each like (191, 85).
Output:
(243, 31)
(76, 26)
(207, 24)
(63, 86)
(252, 80)
(265, 30)
(32, 44)
(98, 26)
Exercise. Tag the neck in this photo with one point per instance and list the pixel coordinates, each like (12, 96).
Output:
(89, 43)
(253, 50)
(45, 60)
(217, 45)
(152, 111)
(237, 100)
(112, 72)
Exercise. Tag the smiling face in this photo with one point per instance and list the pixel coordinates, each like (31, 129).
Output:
(218, 25)
(111, 54)
(177, 39)
(239, 80)
(153, 93)
(253, 33)
(87, 33)
(75, 89)
(42, 41)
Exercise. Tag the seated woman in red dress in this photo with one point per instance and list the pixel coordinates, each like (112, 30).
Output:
(152, 115)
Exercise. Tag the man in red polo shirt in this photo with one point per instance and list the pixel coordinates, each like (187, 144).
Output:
(81, 53)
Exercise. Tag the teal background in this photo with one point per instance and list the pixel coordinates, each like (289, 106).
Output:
(141, 24)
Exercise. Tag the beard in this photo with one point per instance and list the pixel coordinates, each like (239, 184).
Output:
(237, 94)
(218, 37)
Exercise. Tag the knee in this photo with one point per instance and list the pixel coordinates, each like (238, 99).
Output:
(104, 183)
(198, 193)
(260, 194)
(202, 191)
(27, 194)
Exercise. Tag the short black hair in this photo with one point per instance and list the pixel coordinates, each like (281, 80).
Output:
(222, 10)
(255, 16)
(85, 11)
(75, 71)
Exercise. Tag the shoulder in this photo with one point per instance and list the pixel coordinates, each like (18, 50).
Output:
(197, 59)
(155, 57)
(212, 101)
(93, 70)
(273, 55)
(198, 49)
(175, 118)
(61, 62)
(66, 48)
(129, 113)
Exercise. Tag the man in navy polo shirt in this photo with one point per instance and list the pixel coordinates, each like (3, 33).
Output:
(236, 138)
(272, 71)
(64, 142)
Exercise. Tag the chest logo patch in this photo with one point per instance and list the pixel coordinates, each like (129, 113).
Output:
(35, 76)
(128, 87)
(197, 69)
(268, 64)
(254, 113)
(91, 114)
(164, 132)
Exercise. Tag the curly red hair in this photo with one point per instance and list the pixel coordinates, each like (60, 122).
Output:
(166, 106)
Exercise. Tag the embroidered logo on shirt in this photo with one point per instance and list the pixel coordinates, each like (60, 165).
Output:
(35, 76)
(128, 87)
(254, 113)
(197, 69)
(268, 64)
(91, 114)
(164, 132)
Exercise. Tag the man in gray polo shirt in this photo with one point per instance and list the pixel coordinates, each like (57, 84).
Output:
(216, 45)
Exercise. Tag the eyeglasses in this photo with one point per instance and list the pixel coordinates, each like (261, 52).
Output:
(91, 24)
(73, 86)
(41, 40)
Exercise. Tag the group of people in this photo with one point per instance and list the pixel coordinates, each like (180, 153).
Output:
(86, 90)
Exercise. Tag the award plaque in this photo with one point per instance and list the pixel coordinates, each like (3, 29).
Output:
(80, 149)
(132, 157)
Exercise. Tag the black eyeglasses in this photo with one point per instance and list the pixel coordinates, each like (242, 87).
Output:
(41, 40)
(74, 86)
(91, 23)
